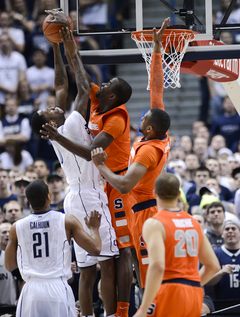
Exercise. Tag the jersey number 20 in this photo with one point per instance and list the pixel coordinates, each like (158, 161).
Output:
(187, 243)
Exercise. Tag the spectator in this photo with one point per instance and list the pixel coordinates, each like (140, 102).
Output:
(8, 294)
(228, 125)
(21, 18)
(236, 177)
(203, 132)
(31, 175)
(217, 142)
(192, 163)
(201, 175)
(16, 35)
(24, 99)
(5, 194)
(41, 168)
(186, 143)
(13, 211)
(225, 183)
(195, 126)
(40, 78)
(13, 175)
(36, 40)
(14, 157)
(200, 146)
(201, 219)
(55, 184)
(226, 281)
(21, 184)
(12, 68)
(13, 126)
(180, 168)
(223, 192)
(57, 169)
(177, 153)
(215, 216)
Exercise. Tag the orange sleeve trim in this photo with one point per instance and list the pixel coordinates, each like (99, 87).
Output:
(156, 82)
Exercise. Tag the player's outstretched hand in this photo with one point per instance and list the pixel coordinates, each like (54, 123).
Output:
(50, 132)
(58, 17)
(157, 35)
(94, 220)
(68, 41)
(99, 156)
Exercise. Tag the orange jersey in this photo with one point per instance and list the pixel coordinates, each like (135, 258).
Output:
(182, 245)
(116, 123)
(154, 155)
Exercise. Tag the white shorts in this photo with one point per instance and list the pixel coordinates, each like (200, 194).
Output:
(80, 204)
(46, 297)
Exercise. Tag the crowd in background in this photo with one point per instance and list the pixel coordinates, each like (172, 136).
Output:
(207, 162)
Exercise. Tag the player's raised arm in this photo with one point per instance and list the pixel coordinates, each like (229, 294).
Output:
(83, 87)
(60, 80)
(157, 79)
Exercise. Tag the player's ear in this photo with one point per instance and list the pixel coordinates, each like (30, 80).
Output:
(154, 194)
(112, 96)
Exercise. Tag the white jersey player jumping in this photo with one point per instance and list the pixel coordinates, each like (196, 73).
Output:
(40, 247)
(83, 178)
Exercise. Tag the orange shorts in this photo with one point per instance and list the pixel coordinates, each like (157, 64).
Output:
(175, 299)
(119, 206)
(139, 218)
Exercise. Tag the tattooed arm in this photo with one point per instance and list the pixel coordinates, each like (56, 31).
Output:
(61, 81)
(81, 101)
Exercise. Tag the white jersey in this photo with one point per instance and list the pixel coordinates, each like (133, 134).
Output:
(77, 170)
(85, 194)
(43, 249)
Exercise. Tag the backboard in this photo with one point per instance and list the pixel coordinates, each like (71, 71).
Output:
(194, 14)
(181, 12)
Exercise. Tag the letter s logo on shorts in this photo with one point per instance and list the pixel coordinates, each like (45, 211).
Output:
(118, 204)
(151, 309)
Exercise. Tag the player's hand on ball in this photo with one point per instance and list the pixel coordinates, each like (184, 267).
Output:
(68, 41)
(99, 156)
(59, 17)
(94, 220)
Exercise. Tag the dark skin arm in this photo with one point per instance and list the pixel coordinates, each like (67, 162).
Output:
(91, 243)
(103, 140)
(59, 18)
(81, 101)
(60, 81)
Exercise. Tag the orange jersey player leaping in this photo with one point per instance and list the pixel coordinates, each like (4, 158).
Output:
(149, 157)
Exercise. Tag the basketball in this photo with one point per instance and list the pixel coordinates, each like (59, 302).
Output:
(51, 31)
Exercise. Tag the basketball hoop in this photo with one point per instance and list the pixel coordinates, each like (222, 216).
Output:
(174, 45)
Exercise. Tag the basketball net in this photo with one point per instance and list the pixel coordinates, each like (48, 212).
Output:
(173, 47)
